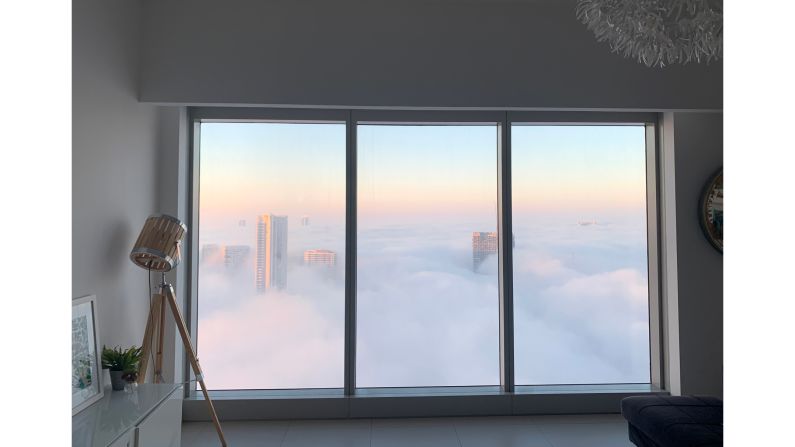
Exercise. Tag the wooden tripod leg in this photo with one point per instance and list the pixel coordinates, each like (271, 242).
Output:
(183, 332)
(146, 345)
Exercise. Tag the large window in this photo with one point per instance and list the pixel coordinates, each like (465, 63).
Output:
(366, 251)
(427, 289)
(580, 272)
(271, 276)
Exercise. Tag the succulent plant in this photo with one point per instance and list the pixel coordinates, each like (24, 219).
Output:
(117, 359)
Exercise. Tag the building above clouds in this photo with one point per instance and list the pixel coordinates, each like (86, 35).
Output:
(236, 256)
(483, 245)
(271, 252)
(208, 252)
(320, 257)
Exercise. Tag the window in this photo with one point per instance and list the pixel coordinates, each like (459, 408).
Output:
(427, 289)
(271, 274)
(361, 250)
(580, 286)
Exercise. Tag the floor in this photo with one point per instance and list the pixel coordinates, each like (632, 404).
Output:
(498, 431)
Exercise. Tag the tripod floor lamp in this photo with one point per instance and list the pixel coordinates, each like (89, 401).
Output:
(158, 250)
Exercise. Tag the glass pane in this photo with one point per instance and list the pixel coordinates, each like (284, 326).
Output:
(580, 258)
(271, 271)
(427, 290)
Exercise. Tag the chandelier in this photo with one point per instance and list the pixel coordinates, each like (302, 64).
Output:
(657, 32)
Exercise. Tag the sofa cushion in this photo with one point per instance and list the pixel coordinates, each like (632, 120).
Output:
(676, 420)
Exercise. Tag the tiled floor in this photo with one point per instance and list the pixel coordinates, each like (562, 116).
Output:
(502, 431)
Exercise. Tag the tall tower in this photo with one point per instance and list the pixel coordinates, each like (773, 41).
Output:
(209, 251)
(483, 245)
(271, 252)
(235, 256)
(320, 257)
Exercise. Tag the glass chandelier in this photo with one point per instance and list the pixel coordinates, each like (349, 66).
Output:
(657, 32)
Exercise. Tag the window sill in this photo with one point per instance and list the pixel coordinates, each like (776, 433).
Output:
(414, 402)
(322, 393)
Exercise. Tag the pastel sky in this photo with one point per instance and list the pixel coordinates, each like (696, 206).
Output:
(289, 169)
(428, 171)
(596, 169)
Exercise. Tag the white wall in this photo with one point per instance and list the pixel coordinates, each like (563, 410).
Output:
(414, 53)
(699, 154)
(114, 155)
(173, 199)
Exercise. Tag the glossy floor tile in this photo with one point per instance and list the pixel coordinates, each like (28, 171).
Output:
(353, 433)
(419, 435)
(237, 433)
(497, 434)
(498, 431)
(587, 435)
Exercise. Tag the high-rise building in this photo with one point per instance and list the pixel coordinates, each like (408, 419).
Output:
(236, 256)
(320, 257)
(208, 252)
(271, 252)
(483, 245)
(305, 221)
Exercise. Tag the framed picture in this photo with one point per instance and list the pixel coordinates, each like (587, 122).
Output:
(711, 210)
(86, 386)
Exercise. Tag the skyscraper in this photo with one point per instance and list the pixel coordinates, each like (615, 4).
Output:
(305, 221)
(235, 256)
(208, 252)
(483, 245)
(271, 252)
(320, 257)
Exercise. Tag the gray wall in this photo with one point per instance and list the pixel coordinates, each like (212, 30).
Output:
(415, 53)
(114, 155)
(173, 199)
(699, 154)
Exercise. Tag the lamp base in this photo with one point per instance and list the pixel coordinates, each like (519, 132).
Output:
(156, 324)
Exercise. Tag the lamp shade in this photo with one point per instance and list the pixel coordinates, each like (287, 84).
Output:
(157, 247)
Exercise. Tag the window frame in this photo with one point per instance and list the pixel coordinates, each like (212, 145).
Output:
(650, 121)
(466, 397)
(451, 118)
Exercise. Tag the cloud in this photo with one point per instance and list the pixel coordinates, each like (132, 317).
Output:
(588, 329)
(540, 266)
(426, 318)
(277, 340)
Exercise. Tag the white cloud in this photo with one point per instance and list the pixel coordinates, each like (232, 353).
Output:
(272, 341)
(425, 318)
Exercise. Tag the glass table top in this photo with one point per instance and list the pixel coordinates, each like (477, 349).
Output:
(117, 412)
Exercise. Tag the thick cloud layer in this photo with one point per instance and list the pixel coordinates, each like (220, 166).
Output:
(426, 318)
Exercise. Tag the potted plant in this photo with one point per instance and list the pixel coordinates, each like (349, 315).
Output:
(122, 363)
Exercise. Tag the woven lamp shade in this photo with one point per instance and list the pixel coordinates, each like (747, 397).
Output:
(157, 247)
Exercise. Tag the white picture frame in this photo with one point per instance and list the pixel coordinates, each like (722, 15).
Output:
(86, 369)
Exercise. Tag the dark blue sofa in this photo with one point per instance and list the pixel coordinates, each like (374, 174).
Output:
(674, 421)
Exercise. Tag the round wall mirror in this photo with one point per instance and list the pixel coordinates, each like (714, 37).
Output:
(711, 210)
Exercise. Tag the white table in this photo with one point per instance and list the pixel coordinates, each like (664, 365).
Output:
(149, 416)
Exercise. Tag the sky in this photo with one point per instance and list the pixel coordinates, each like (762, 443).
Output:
(425, 315)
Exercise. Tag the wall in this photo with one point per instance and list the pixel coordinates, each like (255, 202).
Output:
(358, 53)
(173, 199)
(699, 154)
(411, 53)
(114, 159)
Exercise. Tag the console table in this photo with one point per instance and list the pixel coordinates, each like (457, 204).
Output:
(149, 416)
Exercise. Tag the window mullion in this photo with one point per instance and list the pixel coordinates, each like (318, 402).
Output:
(350, 257)
(505, 258)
